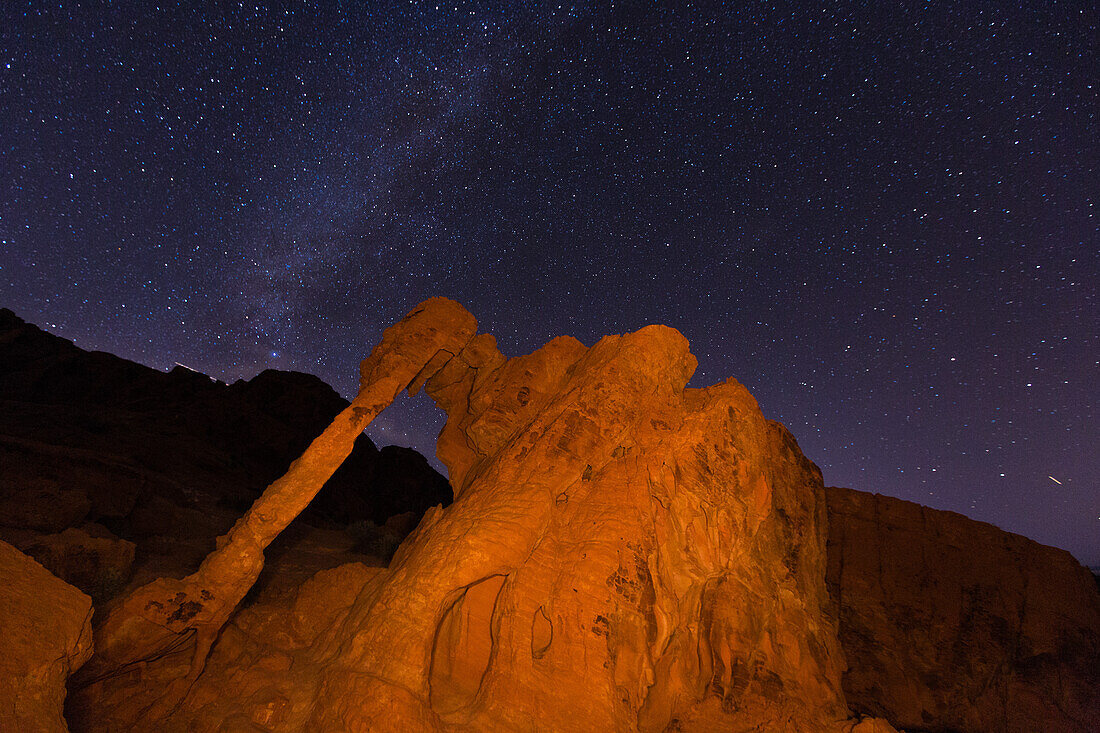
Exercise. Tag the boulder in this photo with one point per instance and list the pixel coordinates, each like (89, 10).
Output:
(47, 634)
(39, 504)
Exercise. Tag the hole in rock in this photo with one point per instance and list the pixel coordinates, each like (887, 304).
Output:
(411, 422)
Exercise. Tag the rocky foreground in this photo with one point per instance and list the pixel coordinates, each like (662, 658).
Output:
(622, 553)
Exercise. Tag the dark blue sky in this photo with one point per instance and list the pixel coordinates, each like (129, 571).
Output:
(881, 219)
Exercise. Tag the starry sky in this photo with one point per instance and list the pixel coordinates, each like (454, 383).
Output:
(880, 217)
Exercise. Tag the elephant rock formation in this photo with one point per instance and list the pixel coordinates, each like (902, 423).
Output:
(623, 553)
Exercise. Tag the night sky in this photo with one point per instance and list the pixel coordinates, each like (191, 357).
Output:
(882, 220)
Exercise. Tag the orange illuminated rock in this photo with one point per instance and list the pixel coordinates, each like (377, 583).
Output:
(159, 618)
(623, 553)
(952, 624)
(45, 634)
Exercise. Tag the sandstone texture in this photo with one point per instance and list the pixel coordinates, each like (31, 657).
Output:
(45, 634)
(622, 553)
(170, 615)
(954, 625)
(89, 557)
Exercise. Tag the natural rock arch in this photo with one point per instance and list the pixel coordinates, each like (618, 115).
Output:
(585, 578)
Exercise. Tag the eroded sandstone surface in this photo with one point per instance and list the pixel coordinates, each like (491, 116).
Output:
(954, 625)
(622, 553)
(170, 615)
(45, 634)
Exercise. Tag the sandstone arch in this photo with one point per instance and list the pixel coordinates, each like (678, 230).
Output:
(597, 499)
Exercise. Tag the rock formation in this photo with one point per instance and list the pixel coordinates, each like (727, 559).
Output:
(168, 614)
(114, 473)
(91, 558)
(954, 625)
(623, 553)
(46, 632)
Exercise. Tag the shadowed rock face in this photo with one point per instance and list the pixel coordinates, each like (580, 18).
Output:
(951, 624)
(111, 468)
